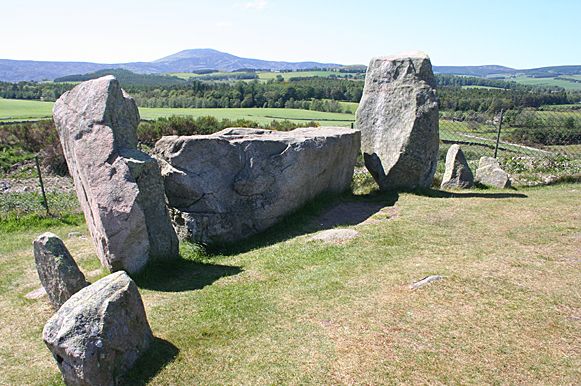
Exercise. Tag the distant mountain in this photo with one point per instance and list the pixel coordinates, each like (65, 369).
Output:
(208, 59)
(183, 61)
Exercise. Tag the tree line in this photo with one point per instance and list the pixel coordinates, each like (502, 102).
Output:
(308, 93)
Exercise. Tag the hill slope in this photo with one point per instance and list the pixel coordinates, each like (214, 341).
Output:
(183, 61)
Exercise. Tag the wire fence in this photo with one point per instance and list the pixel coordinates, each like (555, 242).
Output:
(534, 146)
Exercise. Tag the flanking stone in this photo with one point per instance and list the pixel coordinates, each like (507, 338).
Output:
(99, 333)
(58, 273)
(238, 182)
(120, 188)
(398, 119)
(490, 173)
(457, 174)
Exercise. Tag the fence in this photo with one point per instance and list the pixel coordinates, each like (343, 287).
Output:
(534, 146)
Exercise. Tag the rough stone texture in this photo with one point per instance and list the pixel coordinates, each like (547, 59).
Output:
(120, 188)
(398, 119)
(335, 236)
(238, 182)
(491, 174)
(457, 174)
(58, 273)
(99, 333)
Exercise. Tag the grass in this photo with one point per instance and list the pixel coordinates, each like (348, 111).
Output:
(16, 110)
(21, 110)
(483, 87)
(260, 115)
(281, 309)
(546, 82)
(265, 76)
(303, 74)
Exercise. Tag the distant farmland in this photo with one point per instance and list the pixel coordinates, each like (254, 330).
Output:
(20, 110)
(548, 82)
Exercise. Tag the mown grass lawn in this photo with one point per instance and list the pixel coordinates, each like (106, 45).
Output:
(280, 309)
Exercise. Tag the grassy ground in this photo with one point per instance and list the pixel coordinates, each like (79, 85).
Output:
(270, 75)
(547, 82)
(13, 109)
(260, 115)
(281, 309)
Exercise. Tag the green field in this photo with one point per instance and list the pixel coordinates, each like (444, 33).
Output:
(281, 309)
(547, 82)
(190, 75)
(21, 110)
(483, 87)
(17, 110)
(259, 115)
(268, 75)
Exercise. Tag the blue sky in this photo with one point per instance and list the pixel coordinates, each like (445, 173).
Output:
(515, 33)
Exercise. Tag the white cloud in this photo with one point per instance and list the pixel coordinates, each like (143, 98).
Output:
(256, 4)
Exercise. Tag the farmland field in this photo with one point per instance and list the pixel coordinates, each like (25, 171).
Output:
(16, 110)
(302, 74)
(12, 109)
(547, 82)
(267, 75)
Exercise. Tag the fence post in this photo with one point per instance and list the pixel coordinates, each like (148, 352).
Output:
(44, 200)
(352, 124)
(498, 133)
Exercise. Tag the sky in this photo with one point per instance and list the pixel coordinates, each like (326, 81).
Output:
(514, 33)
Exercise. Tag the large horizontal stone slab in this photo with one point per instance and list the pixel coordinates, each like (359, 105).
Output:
(238, 182)
(120, 188)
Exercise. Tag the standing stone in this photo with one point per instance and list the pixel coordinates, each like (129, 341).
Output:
(490, 173)
(58, 273)
(398, 119)
(457, 174)
(235, 183)
(100, 332)
(119, 187)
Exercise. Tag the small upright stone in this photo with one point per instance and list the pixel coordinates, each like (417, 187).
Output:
(457, 174)
(100, 332)
(58, 273)
(398, 119)
(490, 173)
(120, 188)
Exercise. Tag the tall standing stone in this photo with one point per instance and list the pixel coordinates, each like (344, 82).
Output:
(119, 187)
(58, 273)
(398, 119)
(100, 332)
(457, 173)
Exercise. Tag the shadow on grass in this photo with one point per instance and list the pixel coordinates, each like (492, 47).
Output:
(435, 193)
(182, 275)
(325, 212)
(160, 354)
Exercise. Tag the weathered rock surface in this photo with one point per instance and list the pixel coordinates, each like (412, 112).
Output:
(491, 174)
(335, 236)
(99, 333)
(120, 188)
(238, 182)
(58, 273)
(398, 119)
(457, 174)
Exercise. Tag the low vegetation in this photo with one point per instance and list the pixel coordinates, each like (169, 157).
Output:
(282, 309)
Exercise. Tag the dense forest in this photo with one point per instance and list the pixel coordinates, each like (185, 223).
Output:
(315, 93)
